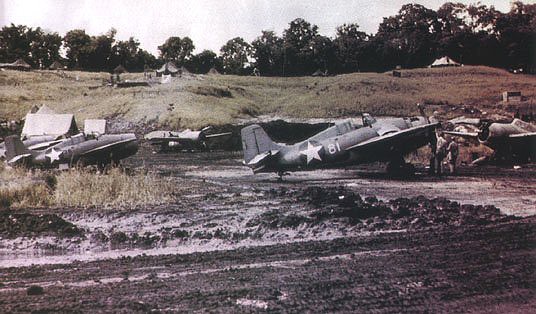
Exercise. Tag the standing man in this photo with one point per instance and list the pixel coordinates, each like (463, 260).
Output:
(441, 153)
(452, 155)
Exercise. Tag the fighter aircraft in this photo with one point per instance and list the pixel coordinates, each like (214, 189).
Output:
(344, 144)
(35, 143)
(515, 141)
(187, 139)
(80, 149)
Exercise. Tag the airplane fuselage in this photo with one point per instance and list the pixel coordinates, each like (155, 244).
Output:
(79, 147)
(330, 148)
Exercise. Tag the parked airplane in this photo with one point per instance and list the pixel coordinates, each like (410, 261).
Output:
(187, 139)
(34, 143)
(515, 141)
(344, 144)
(80, 149)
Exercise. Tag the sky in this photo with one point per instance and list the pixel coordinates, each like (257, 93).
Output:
(209, 23)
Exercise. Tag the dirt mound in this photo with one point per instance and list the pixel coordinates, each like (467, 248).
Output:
(373, 214)
(15, 224)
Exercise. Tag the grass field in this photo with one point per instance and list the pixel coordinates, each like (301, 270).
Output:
(199, 100)
(81, 188)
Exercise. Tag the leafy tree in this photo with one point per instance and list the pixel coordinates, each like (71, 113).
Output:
(234, 56)
(125, 53)
(177, 49)
(410, 36)
(267, 50)
(144, 60)
(323, 54)
(78, 48)
(516, 32)
(349, 48)
(100, 57)
(14, 43)
(48, 49)
(298, 48)
(204, 61)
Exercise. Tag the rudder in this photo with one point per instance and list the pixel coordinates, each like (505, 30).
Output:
(15, 147)
(255, 141)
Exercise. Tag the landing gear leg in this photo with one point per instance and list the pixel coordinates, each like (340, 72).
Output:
(398, 167)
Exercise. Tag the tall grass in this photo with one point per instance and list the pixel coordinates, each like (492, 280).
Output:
(82, 188)
(19, 188)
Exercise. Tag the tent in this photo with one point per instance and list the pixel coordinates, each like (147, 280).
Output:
(320, 73)
(120, 69)
(184, 71)
(95, 126)
(49, 124)
(56, 65)
(20, 65)
(213, 71)
(44, 109)
(444, 62)
(169, 68)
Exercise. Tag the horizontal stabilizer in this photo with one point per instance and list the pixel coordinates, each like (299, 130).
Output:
(260, 158)
(19, 159)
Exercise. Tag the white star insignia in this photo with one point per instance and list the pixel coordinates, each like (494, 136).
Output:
(54, 155)
(312, 152)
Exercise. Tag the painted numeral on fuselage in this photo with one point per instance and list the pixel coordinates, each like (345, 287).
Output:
(334, 148)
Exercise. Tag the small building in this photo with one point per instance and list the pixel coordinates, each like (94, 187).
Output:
(184, 71)
(511, 96)
(169, 68)
(120, 69)
(213, 71)
(56, 65)
(19, 65)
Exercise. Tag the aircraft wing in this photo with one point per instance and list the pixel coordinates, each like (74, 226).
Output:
(396, 141)
(218, 134)
(167, 139)
(524, 135)
(41, 146)
(107, 147)
(470, 135)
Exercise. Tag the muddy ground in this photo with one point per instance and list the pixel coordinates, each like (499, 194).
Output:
(349, 240)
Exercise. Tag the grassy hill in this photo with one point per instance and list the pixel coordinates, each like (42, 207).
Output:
(199, 100)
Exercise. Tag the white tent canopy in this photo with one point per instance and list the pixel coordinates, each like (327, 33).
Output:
(444, 62)
(49, 124)
(92, 126)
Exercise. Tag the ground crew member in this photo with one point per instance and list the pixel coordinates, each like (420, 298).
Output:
(441, 153)
(452, 155)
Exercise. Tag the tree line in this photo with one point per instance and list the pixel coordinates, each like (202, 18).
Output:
(414, 37)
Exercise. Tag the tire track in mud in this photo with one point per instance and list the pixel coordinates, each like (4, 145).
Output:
(302, 253)
(444, 270)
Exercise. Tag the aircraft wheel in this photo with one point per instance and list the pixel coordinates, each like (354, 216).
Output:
(400, 168)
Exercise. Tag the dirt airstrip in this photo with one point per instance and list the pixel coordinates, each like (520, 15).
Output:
(350, 240)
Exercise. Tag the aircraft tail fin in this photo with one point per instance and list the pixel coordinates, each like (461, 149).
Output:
(256, 142)
(15, 148)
